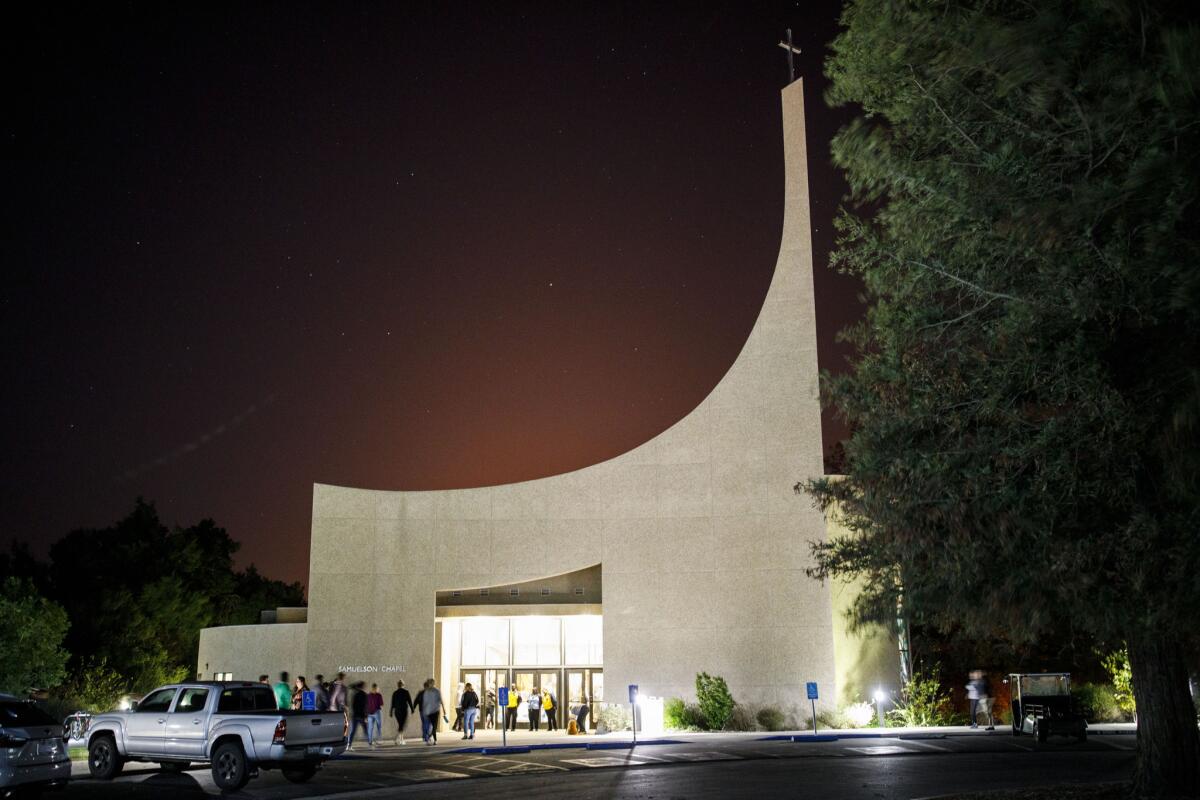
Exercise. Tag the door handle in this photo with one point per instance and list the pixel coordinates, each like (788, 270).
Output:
(161, 721)
(195, 722)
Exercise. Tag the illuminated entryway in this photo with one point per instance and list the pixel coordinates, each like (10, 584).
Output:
(544, 635)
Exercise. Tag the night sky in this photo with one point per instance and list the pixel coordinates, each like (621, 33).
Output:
(386, 246)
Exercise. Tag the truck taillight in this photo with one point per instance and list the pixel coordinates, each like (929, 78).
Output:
(280, 732)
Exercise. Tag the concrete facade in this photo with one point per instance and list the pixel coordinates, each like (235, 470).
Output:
(247, 651)
(701, 540)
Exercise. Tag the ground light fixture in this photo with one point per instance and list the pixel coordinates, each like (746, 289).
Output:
(879, 698)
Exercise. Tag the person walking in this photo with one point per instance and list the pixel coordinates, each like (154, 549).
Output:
(418, 703)
(402, 703)
(470, 709)
(322, 690)
(458, 709)
(549, 706)
(374, 715)
(984, 689)
(298, 693)
(510, 711)
(973, 696)
(337, 693)
(358, 714)
(535, 709)
(431, 704)
(283, 692)
(489, 710)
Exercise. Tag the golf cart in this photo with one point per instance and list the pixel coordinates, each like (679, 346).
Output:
(1042, 706)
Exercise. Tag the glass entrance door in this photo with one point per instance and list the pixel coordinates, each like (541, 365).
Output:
(523, 683)
(548, 682)
(585, 687)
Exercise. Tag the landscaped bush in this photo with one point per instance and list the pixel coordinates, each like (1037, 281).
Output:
(923, 703)
(858, 715)
(613, 717)
(1121, 673)
(714, 699)
(1098, 702)
(741, 718)
(681, 716)
(770, 719)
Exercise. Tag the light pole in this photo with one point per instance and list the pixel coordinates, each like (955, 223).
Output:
(879, 696)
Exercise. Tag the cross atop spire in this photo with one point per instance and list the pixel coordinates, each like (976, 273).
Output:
(791, 50)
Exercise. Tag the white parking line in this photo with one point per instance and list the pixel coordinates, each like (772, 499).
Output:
(606, 761)
(418, 775)
(704, 756)
(882, 750)
(930, 746)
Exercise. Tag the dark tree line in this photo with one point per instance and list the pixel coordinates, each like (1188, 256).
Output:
(137, 593)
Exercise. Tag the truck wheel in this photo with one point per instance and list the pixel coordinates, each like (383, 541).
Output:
(174, 766)
(104, 762)
(229, 769)
(299, 774)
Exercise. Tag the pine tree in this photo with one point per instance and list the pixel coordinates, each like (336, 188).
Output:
(1026, 398)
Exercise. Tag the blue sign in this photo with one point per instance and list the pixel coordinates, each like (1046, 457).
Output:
(633, 693)
(503, 698)
(308, 701)
(812, 690)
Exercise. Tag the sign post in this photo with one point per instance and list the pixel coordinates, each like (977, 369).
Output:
(633, 696)
(308, 700)
(502, 701)
(812, 696)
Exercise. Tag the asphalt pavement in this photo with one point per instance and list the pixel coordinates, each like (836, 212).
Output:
(910, 764)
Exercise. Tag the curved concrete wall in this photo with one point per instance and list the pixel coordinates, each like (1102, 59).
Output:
(701, 539)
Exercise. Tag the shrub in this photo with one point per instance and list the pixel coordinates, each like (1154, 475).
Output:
(613, 717)
(1117, 664)
(741, 718)
(1098, 703)
(681, 716)
(923, 703)
(96, 687)
(714, 699)
(673, 710)
(857, 715)
(770, 719)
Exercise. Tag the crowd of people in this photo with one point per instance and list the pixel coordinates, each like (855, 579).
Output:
(364, 708)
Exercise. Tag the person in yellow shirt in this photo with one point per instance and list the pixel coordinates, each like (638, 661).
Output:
(549, 706)
(514, 700)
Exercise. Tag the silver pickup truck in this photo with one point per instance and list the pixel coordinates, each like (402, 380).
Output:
(234, 726)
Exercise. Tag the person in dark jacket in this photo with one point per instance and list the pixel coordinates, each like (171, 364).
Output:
(322, 688)
(581, 715)
(402, 703)
(470, 707)
(358, 713)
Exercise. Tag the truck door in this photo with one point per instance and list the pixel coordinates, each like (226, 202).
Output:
(146, 724)
(187, 725)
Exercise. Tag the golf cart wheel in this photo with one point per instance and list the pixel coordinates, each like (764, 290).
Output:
(1041, 730)
(229, 768)
(299, 774)
(104, 762)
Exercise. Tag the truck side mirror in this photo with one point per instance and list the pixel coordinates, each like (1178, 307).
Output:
(133, 704)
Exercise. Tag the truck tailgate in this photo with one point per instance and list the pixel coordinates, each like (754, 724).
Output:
(314, 727)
